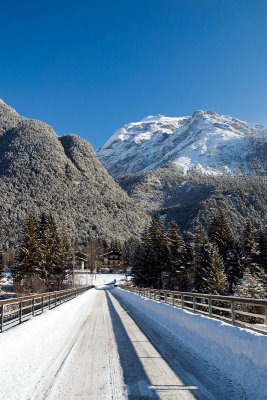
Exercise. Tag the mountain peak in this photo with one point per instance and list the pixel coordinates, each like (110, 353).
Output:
(203, 113)
(207, 141)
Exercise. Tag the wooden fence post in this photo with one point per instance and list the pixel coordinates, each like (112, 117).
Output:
(20, 312)
(2, 317)
(210, 307)
(33, 304)
(233, 312)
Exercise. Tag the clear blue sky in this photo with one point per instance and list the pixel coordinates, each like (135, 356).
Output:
(88, 67)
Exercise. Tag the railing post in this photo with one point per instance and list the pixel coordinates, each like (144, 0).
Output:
(233, 312)
(194, 304)
(182, 300)
(173, 299)
(55, 299)
(165, 297)
(33, 307)
(2, 317)
(42, 304)
(210, 307)
(49, 302)
(20, 312)
(150, 294)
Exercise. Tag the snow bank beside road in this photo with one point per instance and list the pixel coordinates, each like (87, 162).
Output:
(240, 354)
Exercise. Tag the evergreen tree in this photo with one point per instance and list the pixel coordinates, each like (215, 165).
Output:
(220, 233)
(64, 260)
(262, 240)
(250, 286)
(76, 245)
(233, 267)
(250, 253)
(26, 273)
(144, 273)
(28, 260)
(116, 245)
(130, 246)
(203, 255)
(49, 250)
(189, 265)
(161, 250)
(1, 264)
(176, 247)
(217, 280)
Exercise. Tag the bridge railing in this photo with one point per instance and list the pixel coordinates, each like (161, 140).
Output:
(239, 311)
(17, 310)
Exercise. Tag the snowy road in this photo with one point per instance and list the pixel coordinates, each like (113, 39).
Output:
(109, 350)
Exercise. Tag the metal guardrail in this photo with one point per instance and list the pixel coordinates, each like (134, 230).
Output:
(244, 312)
(17, 310)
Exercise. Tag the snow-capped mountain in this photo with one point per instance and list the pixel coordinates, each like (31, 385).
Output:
(208, 142)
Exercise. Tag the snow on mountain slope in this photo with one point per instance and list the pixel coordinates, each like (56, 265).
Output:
(211, 143)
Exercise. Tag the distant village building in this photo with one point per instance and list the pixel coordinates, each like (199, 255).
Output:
(80, 260)
(113, 261)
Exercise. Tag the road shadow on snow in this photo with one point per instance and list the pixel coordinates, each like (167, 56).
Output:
(135, 377)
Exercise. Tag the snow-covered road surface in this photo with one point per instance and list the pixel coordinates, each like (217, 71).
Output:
(100, 346)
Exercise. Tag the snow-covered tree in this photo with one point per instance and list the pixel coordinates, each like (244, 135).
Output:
(220, 233)
(250, 286)
(217, 280)
(176, 248)
(203, 255)
(250, 252)
(161, 250)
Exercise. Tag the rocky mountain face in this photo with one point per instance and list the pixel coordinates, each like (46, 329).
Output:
(206, 142)
(186, 168)
(40, 171)
(193, 198)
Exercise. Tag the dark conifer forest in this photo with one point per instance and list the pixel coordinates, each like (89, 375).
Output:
(212, 261)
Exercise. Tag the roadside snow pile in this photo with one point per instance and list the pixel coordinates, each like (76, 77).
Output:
(239, 353)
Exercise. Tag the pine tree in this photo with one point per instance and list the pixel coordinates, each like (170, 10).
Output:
(189, 265)
(49, 249)
(250, 286)
(250, 253)
(130, 246)
(203, 255)
(26, 274)
(1, 264)
(233, 267)
(176, 247)
(64, 260)
(220, 233)
(144, 273)
(77, 245)
(262, 240)
(217, 280)
(161, 250)
(28, 261)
